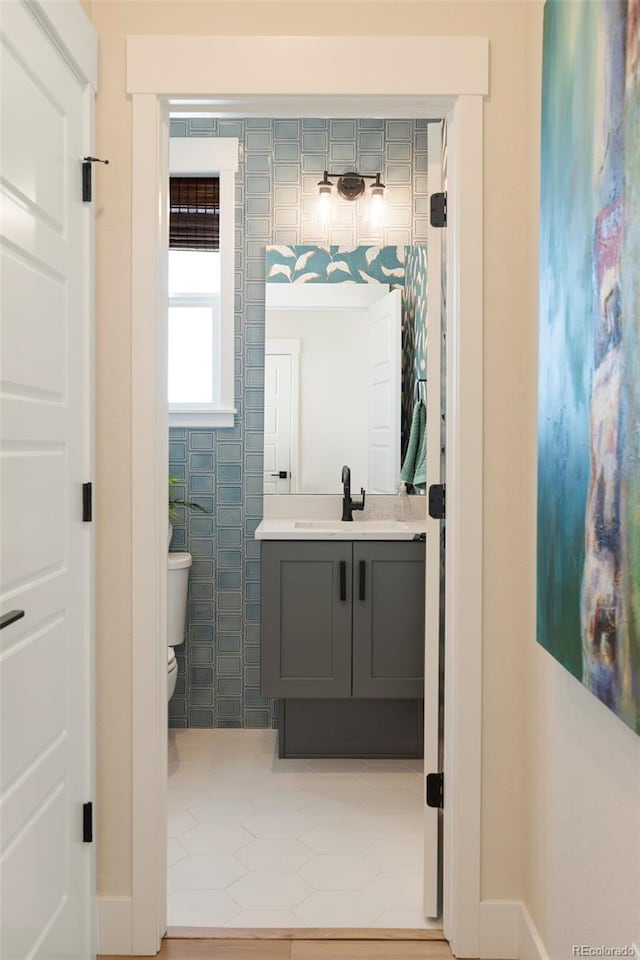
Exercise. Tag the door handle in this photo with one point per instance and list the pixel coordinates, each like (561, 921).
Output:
(281, 474)
(343, 580)
(8, 618)
(363, 578)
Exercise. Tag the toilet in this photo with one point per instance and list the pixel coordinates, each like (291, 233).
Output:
(177, 586)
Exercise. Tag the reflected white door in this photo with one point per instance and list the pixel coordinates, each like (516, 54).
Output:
(385, 393)
(277, 422)
(434, 655)
(46, 553)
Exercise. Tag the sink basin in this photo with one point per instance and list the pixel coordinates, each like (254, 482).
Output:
(317, 524)
(353, 527)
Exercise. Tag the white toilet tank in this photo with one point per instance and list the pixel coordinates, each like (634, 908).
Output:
(177, 586)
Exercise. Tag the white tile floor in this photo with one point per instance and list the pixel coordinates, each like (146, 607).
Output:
(262, 842)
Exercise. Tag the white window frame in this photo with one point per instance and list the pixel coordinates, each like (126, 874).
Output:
(206, 157)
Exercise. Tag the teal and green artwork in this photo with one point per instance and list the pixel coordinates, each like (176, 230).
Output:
(588, 576)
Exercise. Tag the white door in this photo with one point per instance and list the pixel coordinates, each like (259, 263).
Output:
(46, 870)
(385, 393)
(434, 659)
(277, 421)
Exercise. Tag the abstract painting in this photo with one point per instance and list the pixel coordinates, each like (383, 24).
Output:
(588, 576)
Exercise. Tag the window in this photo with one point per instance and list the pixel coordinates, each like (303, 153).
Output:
(194, 326)
(201, 256)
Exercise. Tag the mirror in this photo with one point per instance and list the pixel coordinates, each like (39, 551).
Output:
(341, 367)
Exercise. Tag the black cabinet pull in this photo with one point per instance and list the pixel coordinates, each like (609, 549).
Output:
(8, 618)
(363, 579)
(343, 580)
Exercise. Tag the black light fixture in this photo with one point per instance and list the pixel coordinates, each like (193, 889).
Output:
(350, 186)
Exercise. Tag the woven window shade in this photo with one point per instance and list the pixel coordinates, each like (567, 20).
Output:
(194, 213)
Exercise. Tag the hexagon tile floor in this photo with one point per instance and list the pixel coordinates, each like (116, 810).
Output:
(257, 841)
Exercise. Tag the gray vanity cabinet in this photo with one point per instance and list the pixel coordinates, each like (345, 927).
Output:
(306, 619)
(388, 619)
(343, 619)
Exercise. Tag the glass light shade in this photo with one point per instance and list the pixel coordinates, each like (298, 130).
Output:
(325, 204)
(376, 210)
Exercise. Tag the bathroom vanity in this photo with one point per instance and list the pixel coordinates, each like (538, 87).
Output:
(342, 636)
(342, 603)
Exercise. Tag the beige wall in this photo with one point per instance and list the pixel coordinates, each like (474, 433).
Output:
(582, 869)
(561, 776)
(508, 371)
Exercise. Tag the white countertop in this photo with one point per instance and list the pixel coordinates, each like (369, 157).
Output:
(299, 528)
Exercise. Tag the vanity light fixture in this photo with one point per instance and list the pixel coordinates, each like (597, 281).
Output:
(350, 186)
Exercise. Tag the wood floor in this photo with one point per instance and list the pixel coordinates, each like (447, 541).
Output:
(301, 950)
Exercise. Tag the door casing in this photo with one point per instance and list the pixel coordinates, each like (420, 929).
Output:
(288, 353)
(431, 77)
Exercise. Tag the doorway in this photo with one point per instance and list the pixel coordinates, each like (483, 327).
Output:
(464, 385)
(255, 839)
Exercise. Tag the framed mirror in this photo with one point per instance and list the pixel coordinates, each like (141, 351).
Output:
(342, 370)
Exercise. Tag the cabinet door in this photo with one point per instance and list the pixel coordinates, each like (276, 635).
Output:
(306, 619)
(388, 619)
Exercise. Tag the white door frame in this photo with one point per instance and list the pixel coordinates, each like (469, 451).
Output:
(290, 348)
(433, 399)
(424, 77)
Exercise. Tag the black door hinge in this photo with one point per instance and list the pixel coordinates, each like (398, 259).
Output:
(435, 789)
(438, 215)
(87, 502)
(87, 823)
(437, 501)
(87, 191)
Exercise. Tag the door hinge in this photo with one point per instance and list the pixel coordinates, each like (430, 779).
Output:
(437, 501)
(87, 177)
(87, 502)
(87, 822)
(438, 216)
(435, 789)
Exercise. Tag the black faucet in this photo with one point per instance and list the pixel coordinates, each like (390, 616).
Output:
(349, 505)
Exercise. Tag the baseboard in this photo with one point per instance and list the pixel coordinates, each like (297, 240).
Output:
(115, 926)
(531, 945)
(500, 929)
(507, 932)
